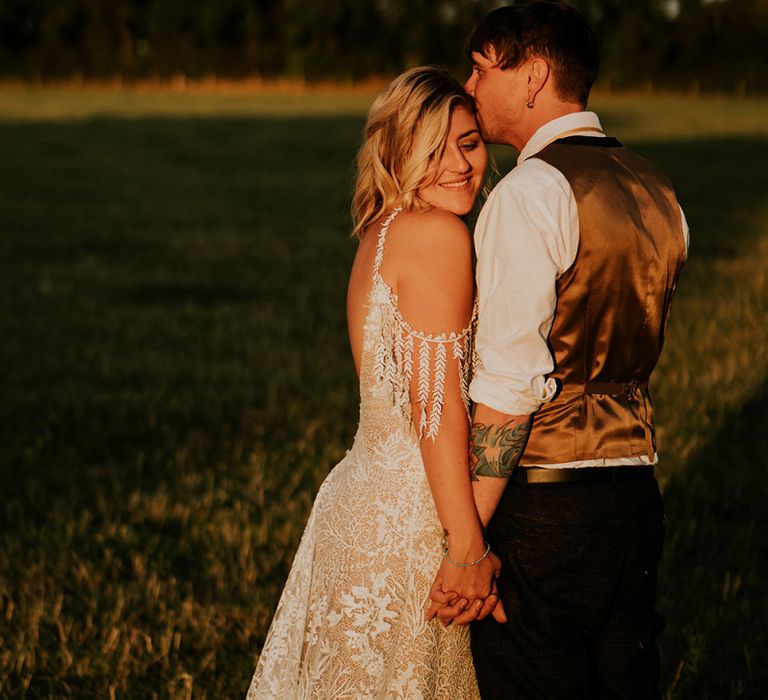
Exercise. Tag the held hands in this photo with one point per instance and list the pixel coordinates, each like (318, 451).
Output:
(462, 594)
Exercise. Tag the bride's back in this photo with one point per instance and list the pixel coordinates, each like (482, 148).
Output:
(426, 264)
(359, 288)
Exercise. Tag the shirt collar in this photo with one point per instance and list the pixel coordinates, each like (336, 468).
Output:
(578, 123)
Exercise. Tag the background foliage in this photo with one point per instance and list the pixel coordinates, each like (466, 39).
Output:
(176, 381)
(699, 44)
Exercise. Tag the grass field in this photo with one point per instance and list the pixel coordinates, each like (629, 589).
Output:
(176, 381)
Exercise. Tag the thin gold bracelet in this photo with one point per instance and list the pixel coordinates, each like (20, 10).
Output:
(469, 563)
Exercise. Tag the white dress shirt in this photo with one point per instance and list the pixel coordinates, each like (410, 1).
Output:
(527, 235)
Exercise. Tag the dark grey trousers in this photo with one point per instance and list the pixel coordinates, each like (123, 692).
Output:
(578, 585)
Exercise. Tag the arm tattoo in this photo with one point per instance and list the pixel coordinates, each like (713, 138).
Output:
(495, 451)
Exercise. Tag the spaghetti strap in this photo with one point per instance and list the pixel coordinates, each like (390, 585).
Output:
(382, 238)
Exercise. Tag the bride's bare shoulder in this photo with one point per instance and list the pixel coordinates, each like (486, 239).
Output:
(428, 262)
(429, 224)
(429, 238)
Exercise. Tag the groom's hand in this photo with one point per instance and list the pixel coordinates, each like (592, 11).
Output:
(448, 612)
(479, 609)
(492, 605)
(464, 594)
(454, 611)
(448, 602)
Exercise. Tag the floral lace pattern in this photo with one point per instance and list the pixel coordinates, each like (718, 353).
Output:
(351, 621)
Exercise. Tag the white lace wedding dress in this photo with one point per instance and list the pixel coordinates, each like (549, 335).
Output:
(351, 620)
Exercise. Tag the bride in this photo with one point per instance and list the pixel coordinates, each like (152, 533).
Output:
(398, 511)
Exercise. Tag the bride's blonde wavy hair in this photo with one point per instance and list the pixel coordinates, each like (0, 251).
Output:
(406, 131)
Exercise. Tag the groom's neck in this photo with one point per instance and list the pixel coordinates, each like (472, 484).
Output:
(542, 113)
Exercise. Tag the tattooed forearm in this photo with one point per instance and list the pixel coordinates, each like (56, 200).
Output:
(496, 450)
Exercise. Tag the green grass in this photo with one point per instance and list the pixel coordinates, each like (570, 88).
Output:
(176, 381)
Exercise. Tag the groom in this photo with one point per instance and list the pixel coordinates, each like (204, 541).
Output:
(579, 249)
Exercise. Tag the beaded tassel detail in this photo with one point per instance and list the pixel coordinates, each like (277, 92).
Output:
(399, 349)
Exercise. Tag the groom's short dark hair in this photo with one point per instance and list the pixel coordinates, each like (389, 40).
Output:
(553, 30)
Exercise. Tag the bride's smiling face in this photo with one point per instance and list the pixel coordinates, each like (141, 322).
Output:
(454, 181)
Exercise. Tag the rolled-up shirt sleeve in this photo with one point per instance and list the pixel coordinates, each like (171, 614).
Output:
(526, 236)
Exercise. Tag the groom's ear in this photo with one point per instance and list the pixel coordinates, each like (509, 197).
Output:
(538, 75)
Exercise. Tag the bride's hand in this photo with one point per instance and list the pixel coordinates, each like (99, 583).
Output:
(463, 594)
(480, 579)
(442, 603)
(476, 580)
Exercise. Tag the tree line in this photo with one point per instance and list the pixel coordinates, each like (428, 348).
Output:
(715, 44)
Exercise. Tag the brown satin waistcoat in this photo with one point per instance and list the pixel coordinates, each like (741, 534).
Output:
(612, 305)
